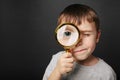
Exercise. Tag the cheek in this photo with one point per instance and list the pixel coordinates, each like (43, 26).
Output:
(90, 42)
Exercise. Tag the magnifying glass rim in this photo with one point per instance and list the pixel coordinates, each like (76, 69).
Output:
(59, 26)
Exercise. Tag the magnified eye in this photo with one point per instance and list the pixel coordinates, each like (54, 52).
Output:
(67, 33)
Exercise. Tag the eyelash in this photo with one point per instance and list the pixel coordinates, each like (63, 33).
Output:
(87, 34)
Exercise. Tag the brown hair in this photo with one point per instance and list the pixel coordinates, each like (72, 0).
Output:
(75, 13)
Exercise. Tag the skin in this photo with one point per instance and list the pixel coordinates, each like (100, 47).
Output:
(81, 53)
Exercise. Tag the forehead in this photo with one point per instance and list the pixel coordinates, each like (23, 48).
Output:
(87, 26)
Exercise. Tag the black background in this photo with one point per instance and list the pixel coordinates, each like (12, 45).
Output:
(27, 40)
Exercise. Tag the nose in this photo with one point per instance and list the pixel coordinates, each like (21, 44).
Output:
(80, 41)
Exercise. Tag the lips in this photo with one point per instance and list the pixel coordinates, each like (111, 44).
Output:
(81, 50)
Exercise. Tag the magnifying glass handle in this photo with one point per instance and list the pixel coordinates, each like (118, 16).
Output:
(68, 51)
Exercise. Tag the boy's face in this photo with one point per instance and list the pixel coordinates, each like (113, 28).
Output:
(88, 39)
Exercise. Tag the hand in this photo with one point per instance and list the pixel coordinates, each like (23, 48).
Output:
(65, 63)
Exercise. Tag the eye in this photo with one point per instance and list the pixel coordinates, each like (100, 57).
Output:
(67, 33)
(87, 35)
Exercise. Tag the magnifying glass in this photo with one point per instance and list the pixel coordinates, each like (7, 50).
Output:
(67, 35)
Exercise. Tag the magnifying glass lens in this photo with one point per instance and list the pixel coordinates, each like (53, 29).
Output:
(67, 35)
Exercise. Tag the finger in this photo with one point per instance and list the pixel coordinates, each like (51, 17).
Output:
(69, 65)
(68, 69)
(69, 60)
(67, 55)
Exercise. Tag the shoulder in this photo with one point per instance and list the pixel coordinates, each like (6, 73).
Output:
(51, 65)
(55, 58)
(105, 70)
(104, 65)
(58, 54)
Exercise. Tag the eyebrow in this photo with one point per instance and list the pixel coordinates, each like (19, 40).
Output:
(86, 31)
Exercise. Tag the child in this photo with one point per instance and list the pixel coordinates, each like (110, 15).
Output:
(80, 63)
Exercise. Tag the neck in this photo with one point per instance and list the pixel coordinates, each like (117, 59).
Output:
(91, 60)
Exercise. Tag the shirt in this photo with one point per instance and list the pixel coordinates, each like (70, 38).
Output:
(100, 71)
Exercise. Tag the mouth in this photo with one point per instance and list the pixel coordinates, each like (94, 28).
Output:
(79, 51)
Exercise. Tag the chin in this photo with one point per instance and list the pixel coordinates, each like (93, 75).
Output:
(81, 58)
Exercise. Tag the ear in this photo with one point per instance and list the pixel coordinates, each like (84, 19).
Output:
(98, 36)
